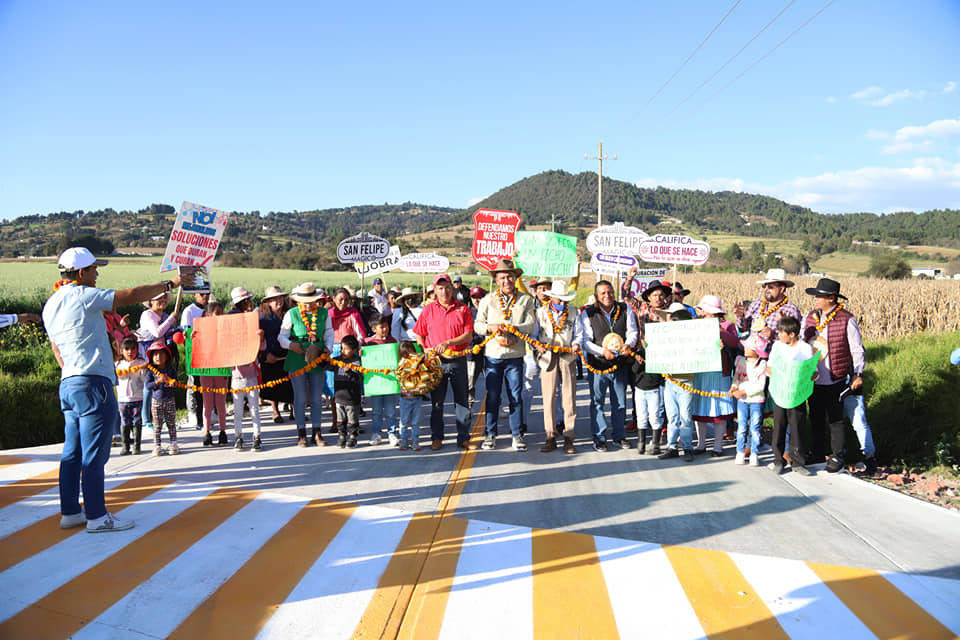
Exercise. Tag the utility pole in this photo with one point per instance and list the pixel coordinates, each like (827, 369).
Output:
(601, 158)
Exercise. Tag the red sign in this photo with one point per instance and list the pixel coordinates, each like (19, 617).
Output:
(494, 234)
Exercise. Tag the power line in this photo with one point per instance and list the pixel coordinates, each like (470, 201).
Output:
(690, 57)
(730, 59)
(764, 56)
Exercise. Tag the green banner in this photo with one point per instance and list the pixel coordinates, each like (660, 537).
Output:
(188, 349)
(791, 381)
(380, 356)
(547, 254)
(683, 346)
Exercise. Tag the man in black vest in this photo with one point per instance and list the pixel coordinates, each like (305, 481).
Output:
(598, 323)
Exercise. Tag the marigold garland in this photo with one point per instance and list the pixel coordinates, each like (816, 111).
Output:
(558, 326)
(506, 309)
(699, 392)
(763, 306)
(60, 283)
(312, 324)
(822, 324)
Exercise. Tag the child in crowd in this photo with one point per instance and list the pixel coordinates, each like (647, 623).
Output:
(347, 385)
(383, 408)
(409, 437)
(130, 394)
(749, 383)
(212, 400)
(163, 406)
(789, 346)
(242, 378)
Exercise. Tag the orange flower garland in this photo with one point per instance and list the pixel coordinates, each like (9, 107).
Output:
(699, 392)
(558, 327)
(763, 307)
(311, 324)
(60, 283)
(506, 309)
(822, 324)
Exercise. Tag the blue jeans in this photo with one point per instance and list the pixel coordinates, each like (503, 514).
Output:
(383, 409)
(749, 414)
(855, 410)
(455, 373)
(649, 407)
(616, 382)
(300, 383)
(498, 372)
(146, 409)
(90, 415)
(410, 419)
(679, 405)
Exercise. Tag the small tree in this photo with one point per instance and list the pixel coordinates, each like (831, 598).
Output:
(890, 266)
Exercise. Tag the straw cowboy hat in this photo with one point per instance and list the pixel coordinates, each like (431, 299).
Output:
(273, 292)
(305, 292)
(776, 276)
(558, 290)
(239, 294)
(506, 265)
(407, 293)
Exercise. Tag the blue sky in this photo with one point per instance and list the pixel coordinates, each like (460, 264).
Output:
(303, 105)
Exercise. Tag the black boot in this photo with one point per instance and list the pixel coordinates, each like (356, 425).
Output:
(342, 430)
(642, 441)
(318, 438)
(354, 430)
(655, 441)
(301, 437)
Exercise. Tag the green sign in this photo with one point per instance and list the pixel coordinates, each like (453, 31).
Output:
(546, 254)
(683, 346)
(188, 349)
(380, 356)
(791, 381)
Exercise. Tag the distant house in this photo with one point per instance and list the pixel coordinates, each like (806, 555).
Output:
(930, 272)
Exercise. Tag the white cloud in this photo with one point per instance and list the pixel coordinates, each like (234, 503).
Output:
(831, 99)
(904, 146)
(936, 129)
(866, 94)
(916, 138)
(931, 183)
(949, 88)
(878, 97)
(897, 96)
(473, 201)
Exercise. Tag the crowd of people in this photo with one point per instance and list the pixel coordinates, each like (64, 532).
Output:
(508, 336)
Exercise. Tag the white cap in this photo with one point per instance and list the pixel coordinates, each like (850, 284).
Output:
(76, 258)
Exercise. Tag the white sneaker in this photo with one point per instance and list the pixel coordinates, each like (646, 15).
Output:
(174, 449)
(73, 520)
(519, 444)
(375, 439)
(108, 523)
(740, 459)
(393, 439)
(157, 451)
(754, 459)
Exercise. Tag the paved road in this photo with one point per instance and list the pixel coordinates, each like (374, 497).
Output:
(386, 543)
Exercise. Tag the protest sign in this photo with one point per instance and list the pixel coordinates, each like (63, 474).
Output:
(376, 267)
(424, 263)
(611, 264)
(791, 381)
(616, 239)
(363, 247)
(685, 346)
(494, 236)
(188, 364)
(674, 250)
(546, 254)
(194, 279)
(195, 237)
(225, 341)
(644, 279)
(380, 356)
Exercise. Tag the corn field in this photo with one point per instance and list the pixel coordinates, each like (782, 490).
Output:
(885, 309)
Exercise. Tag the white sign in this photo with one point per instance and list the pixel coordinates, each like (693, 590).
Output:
(687, 346)
(195, 237)
(645, 279)
(611, 264)
(363, 247)
(424, 263)
(674, 250)
(375, 267)
(616, 239)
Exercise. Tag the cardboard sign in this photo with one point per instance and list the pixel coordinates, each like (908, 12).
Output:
(424, 263)
(194, 279)
(616, 239)
(195, 237)
(494, 236)
(363, 247)
(546, 254)
(791, 381)
(376, 267)
(674, 250)
(685, 346)
(225, 341)
(193, 371)
(380, 356)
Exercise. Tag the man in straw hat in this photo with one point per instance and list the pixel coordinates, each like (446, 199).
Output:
(764, 313)
(73, 317)
(608, 333)
(506, 306)
(447, 324)
(558, 324)
(306, 331)
(834, 332)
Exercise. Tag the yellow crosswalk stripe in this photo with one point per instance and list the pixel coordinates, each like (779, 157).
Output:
(21, 489)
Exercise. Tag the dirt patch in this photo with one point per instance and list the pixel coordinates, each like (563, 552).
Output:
(937, 486)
